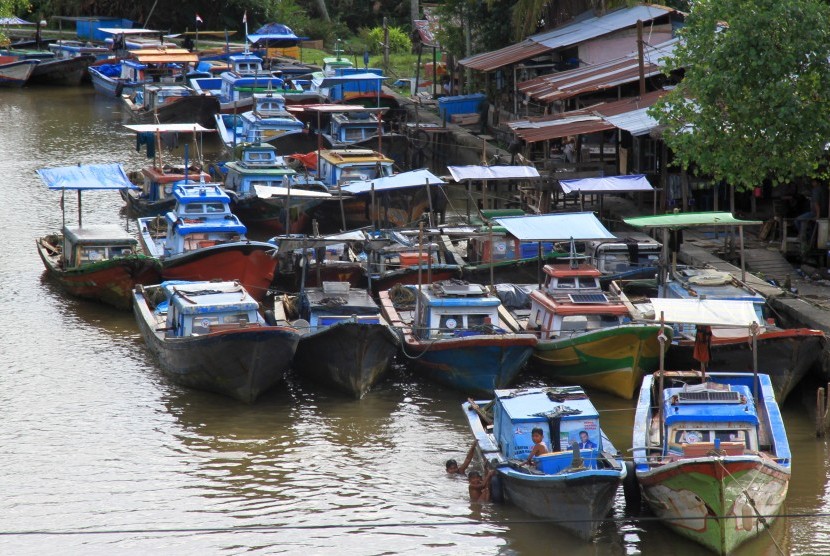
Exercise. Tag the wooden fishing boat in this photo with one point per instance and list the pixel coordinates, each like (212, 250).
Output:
(586, 336)
(62, 71)
(346, 343)
(711, 454)
(160, 64)
(99, 262)
(574, 485)
(211, 336)
(267, 122)
(203, 240)
(168, 103)
(452, 333)
(266, 194)
(14, 72)
(156, 180)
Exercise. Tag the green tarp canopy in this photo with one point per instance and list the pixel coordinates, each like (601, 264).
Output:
(688, 220)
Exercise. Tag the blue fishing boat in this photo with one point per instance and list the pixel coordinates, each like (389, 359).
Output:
(711, 454)
(266, 193)
(573, 485)
(346, 343)
(211, 336)
(202, 240)
(268, 122)
(147, 65)
(170, 103)
(452, 333)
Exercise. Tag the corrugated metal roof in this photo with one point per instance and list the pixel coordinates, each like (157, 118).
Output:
(580, 226)
(490, 61)
(588, 120)
(566, 84)
(636, 122)
(565, 35)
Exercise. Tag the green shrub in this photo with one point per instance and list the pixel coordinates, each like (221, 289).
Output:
(399, 41)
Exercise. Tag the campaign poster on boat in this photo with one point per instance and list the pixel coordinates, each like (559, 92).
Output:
(585, 432)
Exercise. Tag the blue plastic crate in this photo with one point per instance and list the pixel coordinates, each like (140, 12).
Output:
(461, 104)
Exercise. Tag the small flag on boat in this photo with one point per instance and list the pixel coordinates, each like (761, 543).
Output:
(245, 17)
(198, 19)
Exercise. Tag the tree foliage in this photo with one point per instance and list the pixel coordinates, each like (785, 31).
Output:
(399, 40)
(753, 104)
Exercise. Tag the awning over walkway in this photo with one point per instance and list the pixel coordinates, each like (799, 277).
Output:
(689, 220)
(610, 184)
(579, 226)
(461, 173)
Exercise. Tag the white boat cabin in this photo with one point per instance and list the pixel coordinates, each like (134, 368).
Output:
(197, 308)
(447, 310)
(92, 244)
(571, 302)
(352, 127)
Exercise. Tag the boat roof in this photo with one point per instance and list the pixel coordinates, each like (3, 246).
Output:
(355, 301)
(608, 184)
(346, 156)
(167, 128)
(402, 180)
(710, 402)
(208, 297)
(99, 233)
(266, 191)
(461, 173)
(126, 31)
(164, 55)
(528, 404)
(200, 193)
(442, 294)
(708, 312)
(335, 108)
(563, 270)
(579, 226)
(86, 176)
(689, 220)
(331, 81)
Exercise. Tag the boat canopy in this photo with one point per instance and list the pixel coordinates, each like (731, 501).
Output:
(689, 219)
(461, 173)
(86, 177)
(126, 31)
(579, 226)
(342, 79)
(274, 32)
(609, 184)
(167, 128)
(14, 20)
(335, 108)
(402, 180)
(266, 191)
(705, 312)
(164, 56)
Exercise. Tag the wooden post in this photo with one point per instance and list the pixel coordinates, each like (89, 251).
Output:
(821, 409)
(640, 57)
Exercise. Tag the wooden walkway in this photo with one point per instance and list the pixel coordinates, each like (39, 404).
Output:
(768, 262)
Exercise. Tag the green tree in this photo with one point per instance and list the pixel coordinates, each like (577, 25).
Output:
(9, 8)
(753, 104)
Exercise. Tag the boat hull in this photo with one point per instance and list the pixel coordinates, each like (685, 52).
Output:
(199, 109)
(111, 281)
(16, 74)
(249, 262)
(62, 71)
(241, 363)
(348, 356)
(270, 216)
(578, 502)
(611, 359)
(474, 364)
(785, 355)
(140, 206)
(707, 500)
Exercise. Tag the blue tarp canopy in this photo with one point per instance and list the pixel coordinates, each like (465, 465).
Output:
(354, 78)
(413, 178)
(579, 226)
(609, 184)
(461, 173)
(90, 176)
(274, 32)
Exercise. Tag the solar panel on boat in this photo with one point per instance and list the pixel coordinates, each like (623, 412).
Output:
(709, 396)
(587, 298)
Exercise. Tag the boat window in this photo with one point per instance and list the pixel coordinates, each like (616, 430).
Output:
(588, 282)
(478, 320)
(193, 208)
(353, 134)
(732, 436)
(566, 283)
(93, 254)
(692, 436)
(214, 207)
(202, 324)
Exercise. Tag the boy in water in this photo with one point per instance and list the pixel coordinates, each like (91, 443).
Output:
(480, 488)
(539, 446)
(452, 466)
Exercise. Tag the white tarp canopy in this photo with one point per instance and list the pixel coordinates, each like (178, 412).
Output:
(167, 128)
(709, 312)
(268, 191)
(610, 184)
(461, 173)
(124, 31)
(412, 178)
(579, 226)
(14, 20)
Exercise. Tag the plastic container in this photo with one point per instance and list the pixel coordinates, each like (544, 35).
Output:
(461, 104)
(411, 259)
